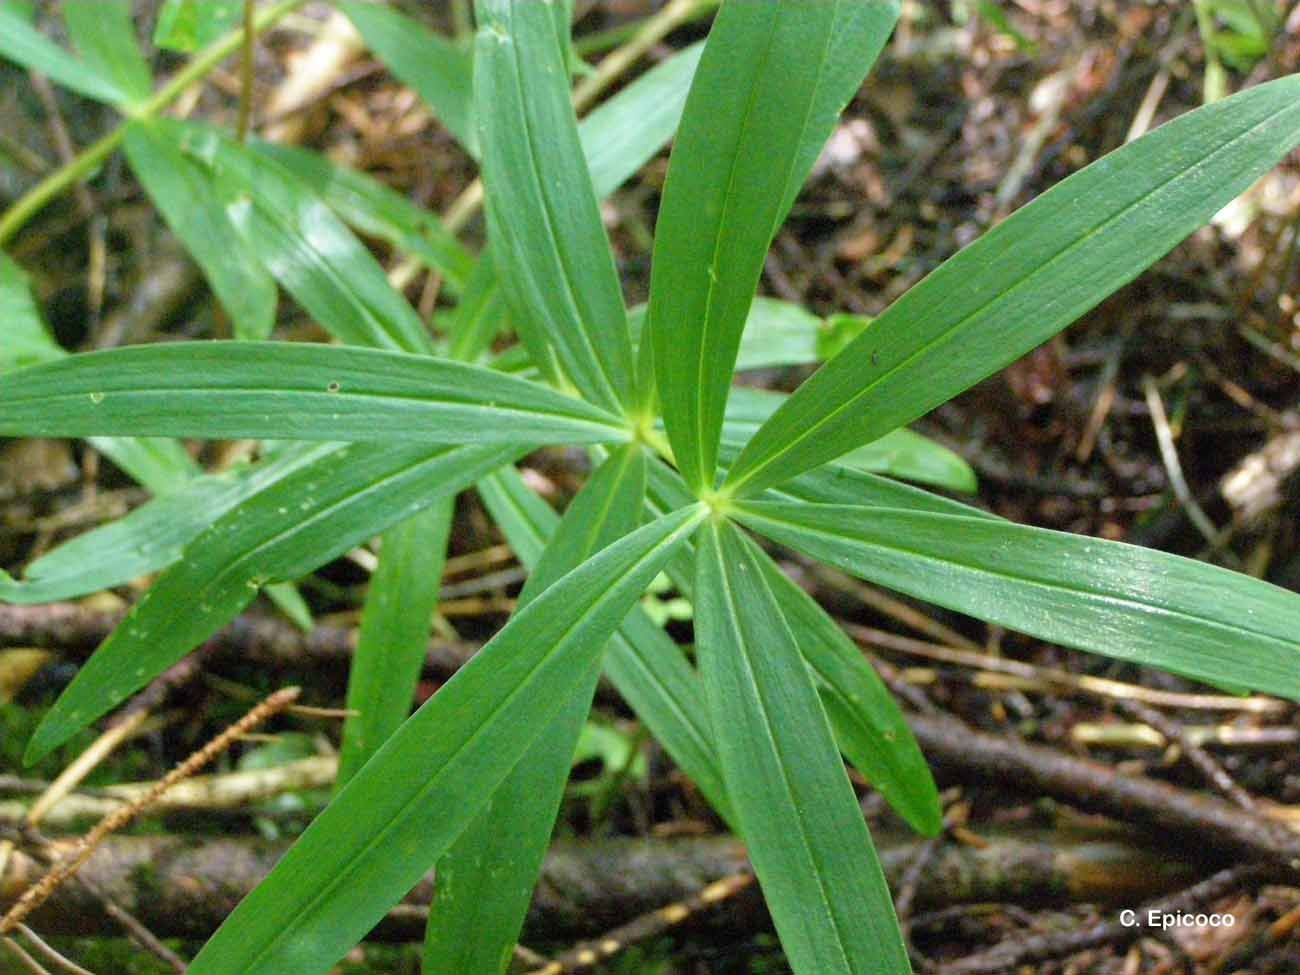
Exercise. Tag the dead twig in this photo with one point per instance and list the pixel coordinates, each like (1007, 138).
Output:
(28, 962)
(184, 887)
(267, 640)
(1202, 760)
(1174, 468)
(201, 793)
(1049, 678)
(83, 765)
(53, 956)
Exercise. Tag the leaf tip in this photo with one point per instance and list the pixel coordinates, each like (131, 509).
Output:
(52, 732)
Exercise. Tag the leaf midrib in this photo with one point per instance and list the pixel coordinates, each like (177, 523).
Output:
(237, 568)
(715, 284)
(607, 421)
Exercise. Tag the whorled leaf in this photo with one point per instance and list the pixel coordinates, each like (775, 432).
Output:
(797, 811)
(374, 209)
(393, 639)
(485, 880)
(287, 227)
(548, 240)
(439, 71)
(21, 42)
(289, 391)
(410, 802)
(296, 524)
(185, 195)
(151, 537)
(644, 664)
(770, 84)
(1026, 279)
(1110, 598)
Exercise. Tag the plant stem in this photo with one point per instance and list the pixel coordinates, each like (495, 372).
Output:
(90, 158)
(654, 30)
(247, 71)
(462, 21)
(1216, 76)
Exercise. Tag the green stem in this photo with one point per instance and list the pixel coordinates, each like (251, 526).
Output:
(651, 32)
(89, 159)
(654, 440)
(462, 21)
(1216, 76)
(247, 71)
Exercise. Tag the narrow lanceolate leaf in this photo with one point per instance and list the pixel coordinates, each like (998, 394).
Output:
(298, 523)
(868, 725)
(645, 665)
(148, 539)
(547, 237)
(899, 453)
(289, 391)
(22, 43)
(768, 86)
(308, 249)
(374, 209)
(1119, 600)
(410, 802)
(103, 32)
(394, 636)
(796, 809)
(436, 69)
(184, 193)
(159, 465)
(24, 339)
(485, 881)
(618, 138)
(622, 134)
(1027, 279)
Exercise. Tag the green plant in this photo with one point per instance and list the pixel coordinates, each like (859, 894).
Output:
(473, 779)
(1236, 34)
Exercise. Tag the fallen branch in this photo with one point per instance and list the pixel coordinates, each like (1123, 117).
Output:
(77, 629)
(1205, 823)
(185, 886)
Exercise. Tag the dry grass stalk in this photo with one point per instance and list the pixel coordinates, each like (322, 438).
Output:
(86, 846)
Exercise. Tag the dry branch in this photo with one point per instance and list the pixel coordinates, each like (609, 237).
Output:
(1206, 824)
(75, 628)
(184, 887)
